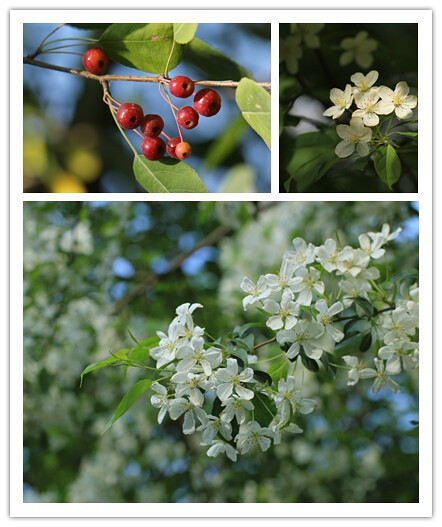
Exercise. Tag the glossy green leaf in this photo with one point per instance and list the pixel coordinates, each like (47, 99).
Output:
(241, 330)
(412, 135)
(167, 175)
(366, 305)
(116, 357)
(241, 354)
(278, 371)
(387, 165)
(262, 376)
(212, 62)
(184, 33)
(365, 342)
(146, 47)
(254, 103)
(264, 410)
(128, 400)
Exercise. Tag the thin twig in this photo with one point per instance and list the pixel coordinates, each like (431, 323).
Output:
(133, 78)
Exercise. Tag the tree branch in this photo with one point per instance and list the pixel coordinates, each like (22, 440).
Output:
(132, 78)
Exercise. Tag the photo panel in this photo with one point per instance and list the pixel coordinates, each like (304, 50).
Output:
(221, 352)
(146, 107)
(348, 107)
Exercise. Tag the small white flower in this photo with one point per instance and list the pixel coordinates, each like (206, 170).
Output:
(229, 380)
(368, 109)
(355, 136)
(325, 317)
(181, 406)
(327, 255)
(341, 101)
(358, 49)
(184, 313)
(256, 292)
(211, 428)
(304, 334)
(398, 325)
(302, 255)
(160, 400)
(219, 447)
(235, 407)
(380, 375)
(284, 279)
(363, 82)
(284, 314)
(352, 261)
(290, 52)
(195, 358)
(308, 33)
(352, 288)
(399, 352)
(309, 283)
(397, 101)
(289, 397)
(189, 384)
(357, 370)
(169, 344)
(279, 425)
(255, 435)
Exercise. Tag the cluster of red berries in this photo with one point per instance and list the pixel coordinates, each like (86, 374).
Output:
(206, 102)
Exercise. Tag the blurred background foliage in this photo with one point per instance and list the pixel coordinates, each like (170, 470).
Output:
(94, 270)
(305, 86)
(71, 143)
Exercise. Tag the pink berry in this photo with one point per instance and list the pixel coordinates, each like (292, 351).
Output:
(207, 102)
(171, 145)
(153, 148)
(181, 86)
(183, 150)
(95, 61)
(187, 117)
(130, 115)
(152, 125)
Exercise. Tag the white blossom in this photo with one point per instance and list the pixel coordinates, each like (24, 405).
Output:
(229, 380)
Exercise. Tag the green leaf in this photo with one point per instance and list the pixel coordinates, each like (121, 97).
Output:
(241, 354)
(141, 352)
(225, 144)
(413, 135)
(278, 371)
(311, 155)
(387, 165)
(264, 409)
(246, 342)
(184, 33)
(116, 357)
(212, 62)
(309, 363)
(254, 103)
(241, 330)
(365, 304)
(128, 400)
(263, 377)
(239, 179)
(167, 175)
(365, 342)
(146, 47)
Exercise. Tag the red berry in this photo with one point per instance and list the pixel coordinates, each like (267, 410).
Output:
(153, 148)
(152, 125)
(207, 102)
(130, 115)
(187, 117)
(183, 150)
(181, 86)
(95, 61)
(171, 145)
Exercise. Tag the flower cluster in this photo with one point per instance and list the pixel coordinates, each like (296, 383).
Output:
(291, 48)
(371, 102)
(310, 303)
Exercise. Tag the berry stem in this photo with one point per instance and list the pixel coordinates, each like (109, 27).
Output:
(140, 134)
(165, 135)
(132, 78)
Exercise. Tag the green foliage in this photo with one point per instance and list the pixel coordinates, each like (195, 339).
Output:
(146, 47)
(363, 449)
(213, 62)
(254, 103)
(387, 165)
(167, 175)
(184, 33)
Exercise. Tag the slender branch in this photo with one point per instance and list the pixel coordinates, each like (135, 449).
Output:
(261, 344)
(133, 78)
